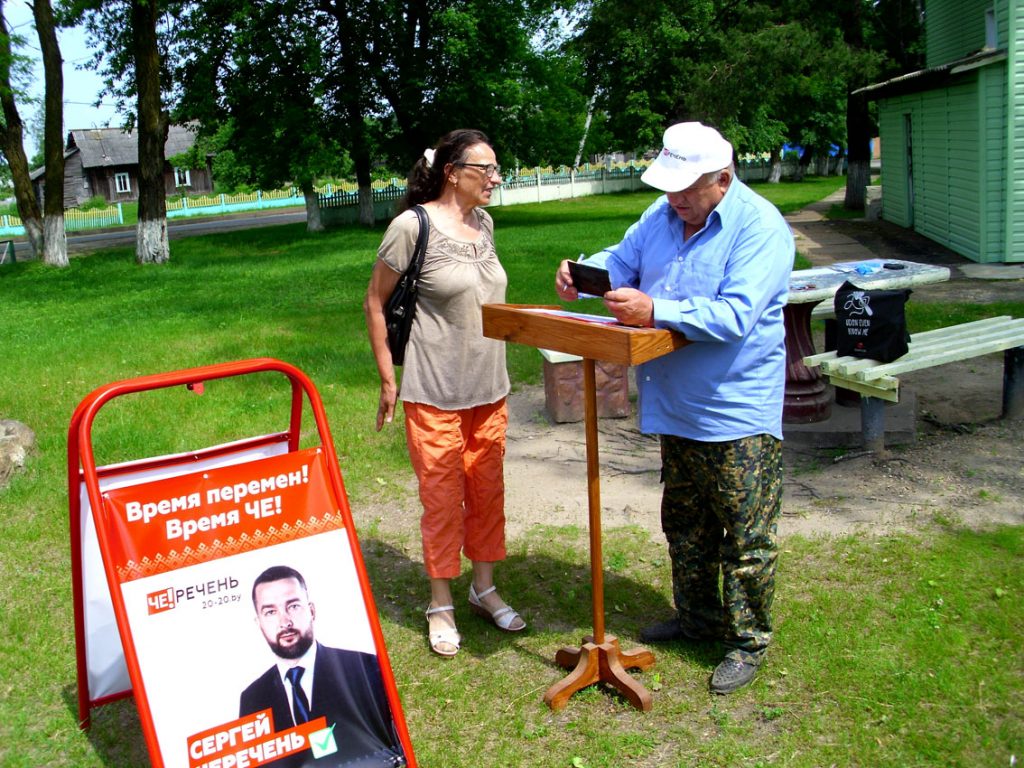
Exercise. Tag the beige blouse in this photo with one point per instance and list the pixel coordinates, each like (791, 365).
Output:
(449, 364)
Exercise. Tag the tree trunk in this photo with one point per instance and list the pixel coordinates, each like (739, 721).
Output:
(586, 130)
(12, 144)
(367, 214)
(361, 158)
(822, 163)
(33, 225)
(803, 164)
(858, 131)
(776, 173)
(55, 240)
(151, 246)
(55, 244)
(858, 127)
(313, 220)
(24, 197)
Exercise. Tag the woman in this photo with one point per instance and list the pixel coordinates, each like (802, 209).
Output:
(454, 381)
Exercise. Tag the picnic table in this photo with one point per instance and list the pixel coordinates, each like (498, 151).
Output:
(807, 397)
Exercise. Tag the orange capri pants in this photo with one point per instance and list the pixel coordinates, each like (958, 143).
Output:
(459, 457)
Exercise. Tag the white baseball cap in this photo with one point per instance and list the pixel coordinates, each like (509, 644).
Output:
(690, 151)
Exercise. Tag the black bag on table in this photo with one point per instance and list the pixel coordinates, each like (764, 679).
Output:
(871, 324)
(401, 305)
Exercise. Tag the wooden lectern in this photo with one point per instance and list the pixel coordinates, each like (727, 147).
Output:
(599, 659)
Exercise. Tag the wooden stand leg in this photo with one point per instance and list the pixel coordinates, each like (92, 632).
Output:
(599, 660)
(604, 663)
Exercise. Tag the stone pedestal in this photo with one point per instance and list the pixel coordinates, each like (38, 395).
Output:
(563, 387)
(17, 442)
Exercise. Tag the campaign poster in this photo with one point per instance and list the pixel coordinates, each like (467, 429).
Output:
(252, 640)
(105, 667)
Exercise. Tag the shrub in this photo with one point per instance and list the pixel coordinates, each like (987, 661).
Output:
(94, 203)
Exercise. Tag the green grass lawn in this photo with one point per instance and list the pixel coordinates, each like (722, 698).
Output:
(892, 651)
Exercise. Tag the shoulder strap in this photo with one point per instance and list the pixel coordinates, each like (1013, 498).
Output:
(421, 240)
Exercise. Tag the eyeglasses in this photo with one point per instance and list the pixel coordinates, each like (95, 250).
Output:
(490, 169)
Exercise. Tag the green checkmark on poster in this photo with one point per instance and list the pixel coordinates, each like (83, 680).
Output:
(322, 742)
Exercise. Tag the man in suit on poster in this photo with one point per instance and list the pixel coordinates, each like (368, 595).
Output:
(310, 680)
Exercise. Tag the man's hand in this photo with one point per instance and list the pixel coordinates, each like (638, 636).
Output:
(563, 283)
(630, 307)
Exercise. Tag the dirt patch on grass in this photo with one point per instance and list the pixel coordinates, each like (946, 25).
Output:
(966, 467)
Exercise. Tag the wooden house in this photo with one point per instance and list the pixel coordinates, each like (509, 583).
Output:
(105, 162)
(953, 133)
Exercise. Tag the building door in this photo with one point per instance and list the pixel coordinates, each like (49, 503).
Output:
(908, 132)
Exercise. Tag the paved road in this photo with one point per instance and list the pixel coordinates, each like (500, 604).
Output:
(175, 228)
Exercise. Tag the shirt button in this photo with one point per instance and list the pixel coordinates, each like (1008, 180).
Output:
(647, 378)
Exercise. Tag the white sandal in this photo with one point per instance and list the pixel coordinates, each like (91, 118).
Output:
(449, 635)
(503, 618)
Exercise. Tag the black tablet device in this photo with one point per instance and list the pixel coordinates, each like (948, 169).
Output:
(588, 279)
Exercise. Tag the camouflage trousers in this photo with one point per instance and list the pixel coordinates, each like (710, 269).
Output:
(719, 511)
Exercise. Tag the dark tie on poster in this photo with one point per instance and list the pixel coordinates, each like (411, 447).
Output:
(300, 704)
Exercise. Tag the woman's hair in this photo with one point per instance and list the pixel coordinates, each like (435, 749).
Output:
(426, 179)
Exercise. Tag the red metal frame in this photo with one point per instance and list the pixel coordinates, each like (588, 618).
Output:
(82, 469)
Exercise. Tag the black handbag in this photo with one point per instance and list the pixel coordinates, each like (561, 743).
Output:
(871, 324)
(401, 306)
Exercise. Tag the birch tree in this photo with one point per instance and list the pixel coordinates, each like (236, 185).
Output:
(55, 244)
(151, 245)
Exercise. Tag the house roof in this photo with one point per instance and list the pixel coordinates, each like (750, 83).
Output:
(105, 147)
(925, 79)
(42, 168)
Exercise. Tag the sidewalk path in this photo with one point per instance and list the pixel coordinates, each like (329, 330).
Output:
(825, 241)
(817, 241)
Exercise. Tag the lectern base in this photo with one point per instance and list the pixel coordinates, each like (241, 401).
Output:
(601, 663)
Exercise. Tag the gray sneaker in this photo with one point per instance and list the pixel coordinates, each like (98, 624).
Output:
(731, 675)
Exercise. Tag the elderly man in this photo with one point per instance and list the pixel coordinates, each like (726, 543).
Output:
(710, 259)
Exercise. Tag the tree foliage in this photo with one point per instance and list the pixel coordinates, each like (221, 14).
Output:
(482, 64)
(251, 78)
(302, 86)
(764, 72)
(291, 91)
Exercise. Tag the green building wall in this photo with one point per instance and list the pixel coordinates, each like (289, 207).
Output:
(966, 138)
(1014, 168)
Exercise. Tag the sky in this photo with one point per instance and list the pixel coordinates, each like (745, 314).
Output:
(81, 87)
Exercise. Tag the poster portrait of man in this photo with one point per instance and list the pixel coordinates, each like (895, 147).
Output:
(309, 680)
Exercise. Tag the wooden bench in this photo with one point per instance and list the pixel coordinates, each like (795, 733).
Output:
(824, 311)
(877, 383)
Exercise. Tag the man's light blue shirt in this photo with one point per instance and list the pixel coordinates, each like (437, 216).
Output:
(724, 289)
